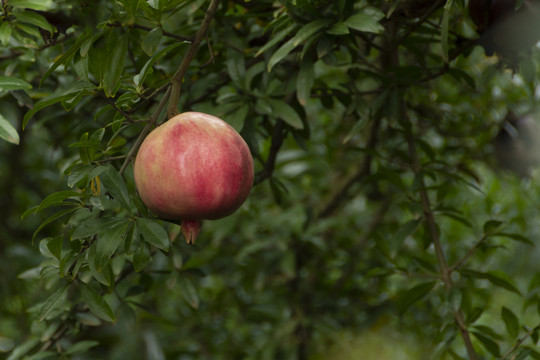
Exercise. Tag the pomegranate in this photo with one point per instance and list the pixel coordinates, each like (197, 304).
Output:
(193, 167)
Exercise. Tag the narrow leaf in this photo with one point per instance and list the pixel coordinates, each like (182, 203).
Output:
(115, 67)
(55, 247)
(13, 83)
(65, 56)
(410, 296)
(24, 348)
(54, 217)
(491, 225)
(5, 33)
(280, 54)
(33, 18)
(304, 82)
(151, 41)
(82, 86)
(488, 344)
(8, 132)
(147, 68)
(303, 34)
(108, 241)
(42, 5)
(309, 29)
(286, 113)
(153, 233)
(53, 301)
(81, 347)
(364, 23)
(115, 185)
(96, 302)
(510, 321)
(57, 198)
(276, 38)
(189, 293)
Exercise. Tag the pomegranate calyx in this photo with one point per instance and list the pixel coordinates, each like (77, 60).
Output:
(190, 229)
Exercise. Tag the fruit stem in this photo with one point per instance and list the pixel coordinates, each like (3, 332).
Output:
(190, 229)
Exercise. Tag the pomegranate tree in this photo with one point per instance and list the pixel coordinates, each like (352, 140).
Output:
(193, 167)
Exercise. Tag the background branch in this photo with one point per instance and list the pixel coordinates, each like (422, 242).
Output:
(176, 82)
(173, 91)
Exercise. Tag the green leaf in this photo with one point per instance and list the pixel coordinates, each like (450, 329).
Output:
(52, 218)
(33, 18)
(276, 38)
(13, 83)
(8, 132)
(237, 118)
(42, 5)
(523, 354)
(510, 321)
(108, 241)
(24, 348)
(147, 68)
(115, 67)
(491, 225)
(364, 23)
(338, 28)
(115, 185)
(53, 301)
(5, 33)
(141, 257)
(280, 54)
(151, 41)
(6, 344)
(188, 291)
(153, 233)
(303, 34)
(496, 278)
(410, 296)
(84, 87)
(490, 345)
(236, 65)
(407, 229)
(304, 81)
(65, 56)
(516, 237)
(131, 7)
(58, 198)
(104, 275)
(286, 113)
(80, 347)
(96, 302)
(309, 29)
(55, 246)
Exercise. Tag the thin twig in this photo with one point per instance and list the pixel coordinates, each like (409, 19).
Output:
(469, 253)
(176, 82)
(269, 165)
(343, 194)
(518, 343)
(211, 52)
(434, 235)
(434, 7)
(113, 104)
(165, 33)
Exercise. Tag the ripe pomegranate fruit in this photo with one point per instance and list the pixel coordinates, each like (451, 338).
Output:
(193, 167)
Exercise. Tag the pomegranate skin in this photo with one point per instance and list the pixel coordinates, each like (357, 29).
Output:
(193, 167)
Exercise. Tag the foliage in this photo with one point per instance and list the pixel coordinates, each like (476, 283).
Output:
(377, 207)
